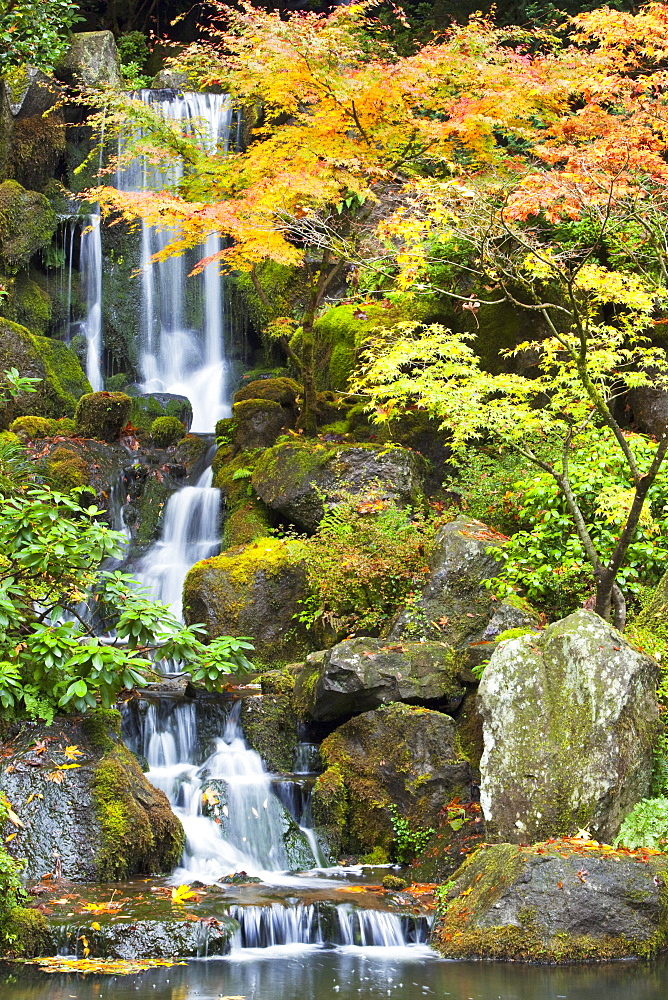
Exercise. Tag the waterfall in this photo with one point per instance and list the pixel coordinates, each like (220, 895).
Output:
(91, 275)
(190, 532)
(233, 822)
(181, 352)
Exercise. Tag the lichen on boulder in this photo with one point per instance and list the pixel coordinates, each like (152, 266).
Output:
(556, 902)
(254, 590)
(362, 674)
(455, 606)
(301, 479)
(92, 60)
(399, 756)
(569, 720)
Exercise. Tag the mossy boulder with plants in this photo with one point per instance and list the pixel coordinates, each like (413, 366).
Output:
(191, 451)
(302, 479)
(399, 765)
(28, 304)
(102, 819)
(246, 517)
(362, 674)
(269, 722)
(557, 902)
(62, 379)
(102, 415)
(254, 590)
(455, 605)
(27, 224)
(96, 464)
(30, 428)
(592, 699)
(66, 469)
(147, 408)
(166, 431)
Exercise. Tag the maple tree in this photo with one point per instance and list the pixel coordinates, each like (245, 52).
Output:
(571, 228)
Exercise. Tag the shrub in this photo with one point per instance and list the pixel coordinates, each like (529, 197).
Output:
(102, 415)
(646, 826)
(11, 890)
(364, 560)
(166, 431)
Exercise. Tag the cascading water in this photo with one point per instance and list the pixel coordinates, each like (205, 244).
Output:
(245, 822)
(91, 274)
(191, 531)
(180, 352)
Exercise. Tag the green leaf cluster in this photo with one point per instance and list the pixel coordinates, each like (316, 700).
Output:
(34, 33)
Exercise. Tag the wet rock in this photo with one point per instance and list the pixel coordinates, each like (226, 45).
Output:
(271, 728)
(173, 937)
(280, 390)
(455, 606)
(301, 479)
(569, 719)
(170, 79)
(650, 409)
(101, 820)
(362, 674)
(397, 756)
(555, 902)
(92, 60)
(255, 590)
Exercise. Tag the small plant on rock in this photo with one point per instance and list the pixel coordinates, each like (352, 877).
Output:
(408, 842)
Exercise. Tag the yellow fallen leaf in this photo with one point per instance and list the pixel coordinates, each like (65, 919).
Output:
(67, 767)
(10, 837)
(72, 752)
(95, 926)
(14, 820)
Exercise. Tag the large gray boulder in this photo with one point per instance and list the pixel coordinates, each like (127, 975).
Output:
(94, 813)
(569, 719)
(455, 606)
(302, 479)
(558, 902)
(92, 60)
(398, 756)
(362, 674)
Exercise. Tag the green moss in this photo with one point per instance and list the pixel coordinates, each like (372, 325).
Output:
(102, 415)
(154, 497)
(147, 409)
(30, 428)
(329, 800)
(247, 518)
(285, 466)
(102, 728)
(378, 856)
(280, 390)
(166, 431)
(28, 304)
(270, 728)
(134, 839)
(27, 224)
(28, 931)
(66, 469)
(513, 633)
(64, 377)
(246, 523)
(277, 682)
(190, 450)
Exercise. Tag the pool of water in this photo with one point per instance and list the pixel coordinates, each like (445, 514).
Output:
(310, 973)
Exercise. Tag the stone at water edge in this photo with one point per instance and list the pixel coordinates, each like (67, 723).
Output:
(569, 720)
(397, 755)
(361, 674)
(91, 60)
(455, 606)
(557, 902)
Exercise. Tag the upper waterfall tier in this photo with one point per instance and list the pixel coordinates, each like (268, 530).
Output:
(183, 319)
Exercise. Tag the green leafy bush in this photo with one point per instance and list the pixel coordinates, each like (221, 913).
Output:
(486, 484)
(408, 842)
(34, 33)
(545, 559)
(166, 431)
(646, 826)
(362, 563)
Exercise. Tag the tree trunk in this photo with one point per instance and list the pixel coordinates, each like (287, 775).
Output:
(307, 418)
(610, 601)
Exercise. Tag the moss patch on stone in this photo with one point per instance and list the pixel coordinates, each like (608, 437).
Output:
(27, 224)
(28, 931)
(270, 727)
(66, 469)
(138, 834)
(102, 415)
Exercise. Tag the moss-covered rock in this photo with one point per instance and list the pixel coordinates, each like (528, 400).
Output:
(27, 224)
(191, 451)
(246, 517)
(362, 674)
(28, 304)
(31, 428)
(280, 390)
(103, 819)
(556, 902)
(66, 469)
(398, 756)
(329, 806)
(301, 479)
(92, 60)
(102, 415)
(591, 698)
(28, 931)
(253, 591)
(166, 431)
(258, 422)
(62, 379)
(271, 728)
(147, 408)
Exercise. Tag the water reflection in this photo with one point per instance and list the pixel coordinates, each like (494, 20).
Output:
(315, 974)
